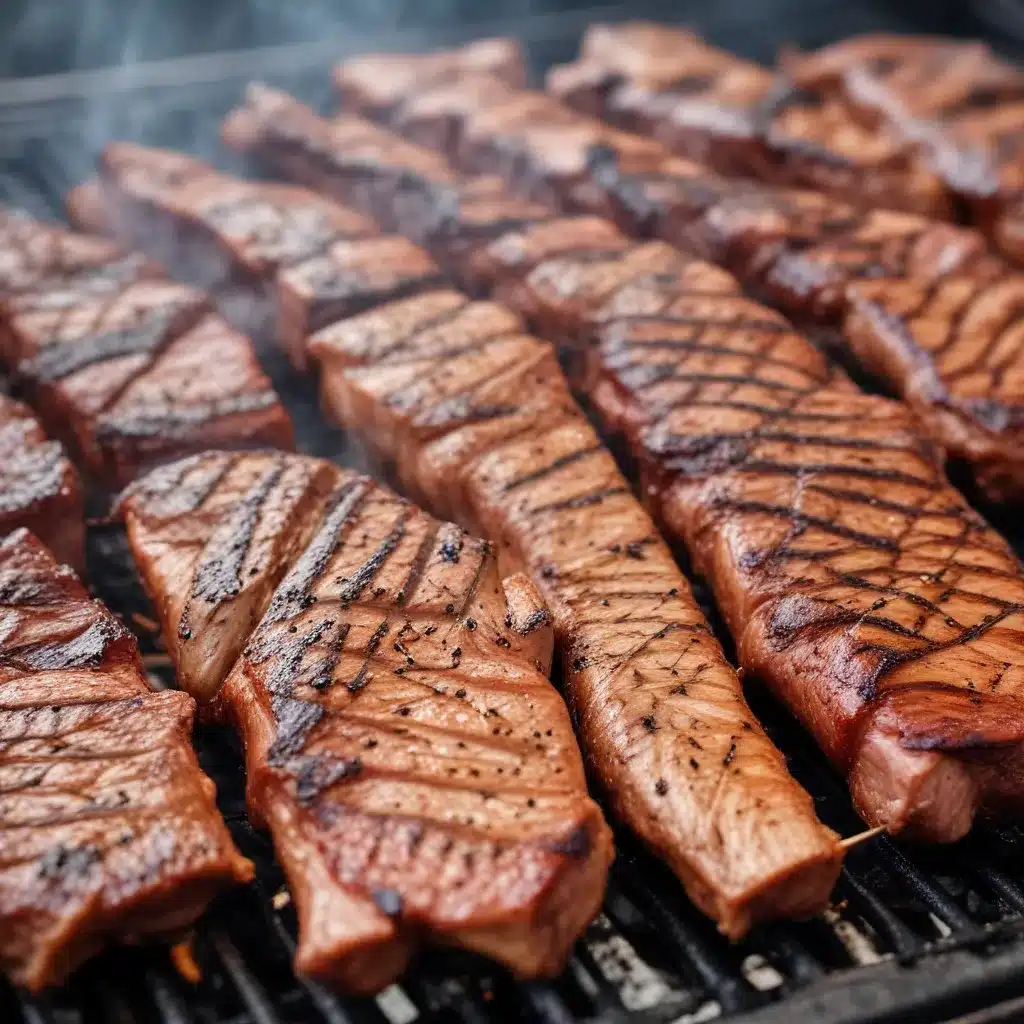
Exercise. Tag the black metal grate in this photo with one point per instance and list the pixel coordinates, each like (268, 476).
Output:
(915, 935)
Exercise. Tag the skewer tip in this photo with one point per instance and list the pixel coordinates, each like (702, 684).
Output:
(861, 837)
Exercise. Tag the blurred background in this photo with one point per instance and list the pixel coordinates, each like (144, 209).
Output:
(49, 36)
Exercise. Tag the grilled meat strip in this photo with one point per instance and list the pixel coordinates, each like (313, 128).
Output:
(416, 769)
(110, 831)
(845, 564)
(479, 424)
(815, 259)
(116, 360)
(957, 103)
(39, 489)
(741, 119)
(309, 260)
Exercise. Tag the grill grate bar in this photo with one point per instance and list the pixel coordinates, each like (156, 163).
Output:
(252, 993)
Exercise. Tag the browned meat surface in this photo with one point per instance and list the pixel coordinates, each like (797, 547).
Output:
(39, 489)
(116, 360)
(740, 118)
(46, 266)
(416, 769)
(116, 378)
(308, 259)
(458, 399)
(380, 82)
(857, 582)
(957, 102)
(814, 258)
(110, 831)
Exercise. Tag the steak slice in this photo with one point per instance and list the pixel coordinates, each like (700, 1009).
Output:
(110, 828)
(417, 771)
(742, 119)
(110, 360)
(307, 259)
(39, 489)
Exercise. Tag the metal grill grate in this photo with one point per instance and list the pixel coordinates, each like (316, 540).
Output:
(915, 935)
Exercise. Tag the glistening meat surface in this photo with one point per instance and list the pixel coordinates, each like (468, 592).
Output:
(109, 828)
(867, 520)
(417, 771)
(479, 423)
(107, 352)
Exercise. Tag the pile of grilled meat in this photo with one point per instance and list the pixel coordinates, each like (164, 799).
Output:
(462, 261)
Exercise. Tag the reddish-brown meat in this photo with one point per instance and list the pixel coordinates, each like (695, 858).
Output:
(110, 831)
(478, 421)
(116, 360)
(39, 489)
(382, 82)
(811, 257)
(310, 260)
(416, 769)
(957, 103)
(834, 542)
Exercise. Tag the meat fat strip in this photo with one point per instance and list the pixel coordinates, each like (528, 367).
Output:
(110, 830)
(458, 398)
(417, 771)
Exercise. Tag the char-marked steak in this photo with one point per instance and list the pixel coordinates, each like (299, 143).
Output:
(110, 831)
(117, 360)
(285, 255)
(417, 771)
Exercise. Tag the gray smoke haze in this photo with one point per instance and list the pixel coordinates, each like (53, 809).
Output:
(179, 107)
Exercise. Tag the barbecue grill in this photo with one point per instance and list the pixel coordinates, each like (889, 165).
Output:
(914, 935)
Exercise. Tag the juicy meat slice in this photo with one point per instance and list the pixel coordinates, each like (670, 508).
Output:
(740, 118)
(115, 379)
(954, 350)
(479, 421)
(417, 771)
(110, 359)
(213, 535)
(377, 83)
(43, 265)
(309, 259)
(111, 832)
(39, 488)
